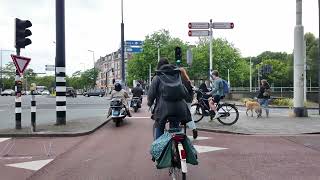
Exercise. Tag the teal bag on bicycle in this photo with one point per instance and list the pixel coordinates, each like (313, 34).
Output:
(158, 146)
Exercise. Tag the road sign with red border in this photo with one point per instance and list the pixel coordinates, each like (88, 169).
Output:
(20, 62)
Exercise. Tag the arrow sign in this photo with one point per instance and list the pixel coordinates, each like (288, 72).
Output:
(199, 33)
(222, 25)
(20, 62)
(198, 25)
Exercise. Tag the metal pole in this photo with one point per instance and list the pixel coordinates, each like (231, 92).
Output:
(1, 85)
(158, 51)
(229, 78)
(304, 71)
(210, 50)
(299, 109)
(250, 76)
(18, 108)
(149, 74)
(60, 64)
(319, 56)
(258, 77)
(122, 47)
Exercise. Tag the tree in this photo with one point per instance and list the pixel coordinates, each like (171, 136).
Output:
(279, 72)
(138, 66)
(312, 57)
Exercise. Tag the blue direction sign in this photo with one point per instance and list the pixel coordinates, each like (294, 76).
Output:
(134, 49)
(134, 43)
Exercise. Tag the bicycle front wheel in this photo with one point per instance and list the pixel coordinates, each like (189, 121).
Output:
(196, 112)
(229, 114)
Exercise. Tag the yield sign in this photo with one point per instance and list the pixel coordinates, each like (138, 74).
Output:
(20, 62)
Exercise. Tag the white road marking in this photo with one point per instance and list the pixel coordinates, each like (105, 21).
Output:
(148, 117)
(4, 139)
(31, 165)
(15, 158)
(203, 149)
(198, 138)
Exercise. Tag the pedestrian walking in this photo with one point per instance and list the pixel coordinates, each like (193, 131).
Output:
(264, 96)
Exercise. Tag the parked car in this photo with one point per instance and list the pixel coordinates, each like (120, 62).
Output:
(70, 92)
(45, 92)
(8, 92)
(97, 92)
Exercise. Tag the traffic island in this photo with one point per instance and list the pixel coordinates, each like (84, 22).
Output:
(73, 128)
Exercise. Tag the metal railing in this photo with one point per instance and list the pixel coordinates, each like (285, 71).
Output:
(274, 89)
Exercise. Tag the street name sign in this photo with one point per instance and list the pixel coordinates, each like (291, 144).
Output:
(222, 25)
(134, 43)
(199, 33)
(198, 25)
(50, 68)
(20, 62)
(134, 49)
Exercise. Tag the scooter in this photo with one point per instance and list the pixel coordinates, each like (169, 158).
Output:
(135, 103)
(118, 111)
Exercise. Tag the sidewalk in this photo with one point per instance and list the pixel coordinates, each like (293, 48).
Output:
(76, 127)
(276, 124)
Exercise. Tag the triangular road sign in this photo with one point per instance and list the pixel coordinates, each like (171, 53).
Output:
(20, 62)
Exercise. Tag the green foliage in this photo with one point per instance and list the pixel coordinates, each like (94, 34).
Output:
(283, 102)
(279, 71)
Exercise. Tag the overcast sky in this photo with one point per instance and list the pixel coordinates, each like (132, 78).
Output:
(260, 25)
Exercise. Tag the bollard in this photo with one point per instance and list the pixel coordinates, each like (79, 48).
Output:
(33, 112)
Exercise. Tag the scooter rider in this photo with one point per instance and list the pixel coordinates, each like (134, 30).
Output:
(137, 92)
(120, 93)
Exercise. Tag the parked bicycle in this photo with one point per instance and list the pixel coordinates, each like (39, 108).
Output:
(229, 112)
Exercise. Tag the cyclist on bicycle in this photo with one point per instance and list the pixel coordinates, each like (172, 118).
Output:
(217, 93)
(170, 102)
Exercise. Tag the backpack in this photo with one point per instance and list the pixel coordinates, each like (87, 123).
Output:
(226, 89)
(171, 87)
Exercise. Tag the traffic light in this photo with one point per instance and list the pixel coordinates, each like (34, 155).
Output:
(22, 32)
(178, 54)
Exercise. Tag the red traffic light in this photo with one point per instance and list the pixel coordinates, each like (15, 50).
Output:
(190, 33)
(190, 25)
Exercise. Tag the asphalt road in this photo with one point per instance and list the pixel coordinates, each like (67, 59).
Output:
(77, 108)
(123, 153)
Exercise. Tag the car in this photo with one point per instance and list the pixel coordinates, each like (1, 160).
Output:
(8, 92)
(45, 92)
(98, 92)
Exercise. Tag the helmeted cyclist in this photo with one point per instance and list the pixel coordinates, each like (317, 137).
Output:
(120, 93)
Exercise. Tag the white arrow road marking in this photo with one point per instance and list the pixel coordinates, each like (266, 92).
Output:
(4, 139)
(198, 138)
(31, 165)
(203, 149)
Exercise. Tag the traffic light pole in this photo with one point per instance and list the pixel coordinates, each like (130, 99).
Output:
(18, 109)
(60, 64)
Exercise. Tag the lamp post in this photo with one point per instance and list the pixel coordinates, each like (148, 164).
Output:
(123, 73)
(158, 46)
(92, 57)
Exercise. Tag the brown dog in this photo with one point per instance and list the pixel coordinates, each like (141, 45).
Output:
(253, 105)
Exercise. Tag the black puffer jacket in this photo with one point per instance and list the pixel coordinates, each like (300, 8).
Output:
(164, 109)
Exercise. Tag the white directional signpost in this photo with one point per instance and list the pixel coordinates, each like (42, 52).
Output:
(50, 68)
(210, 26)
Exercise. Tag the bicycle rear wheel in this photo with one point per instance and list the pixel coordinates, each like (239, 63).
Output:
(229, 114)
(184, 176)
(196, 112)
